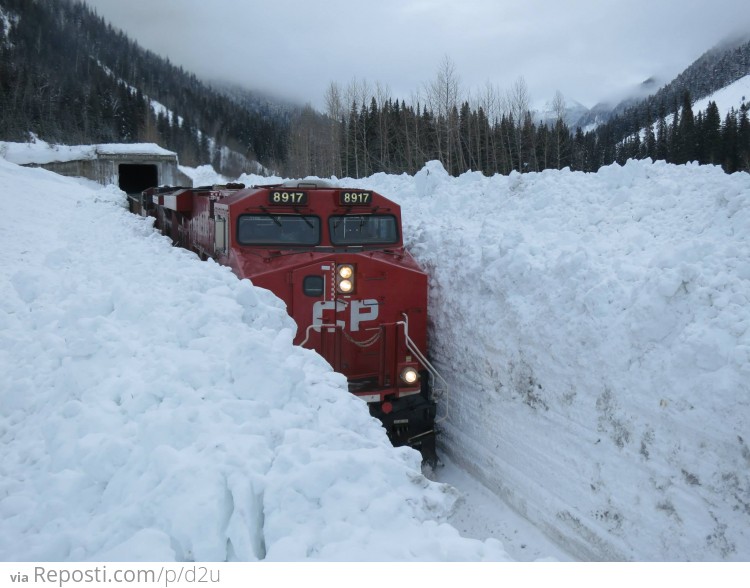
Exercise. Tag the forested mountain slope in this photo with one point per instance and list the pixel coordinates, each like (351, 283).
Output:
(68, 76)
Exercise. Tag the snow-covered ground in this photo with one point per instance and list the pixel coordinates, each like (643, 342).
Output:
(154, 408)
(594, 329)
(480, 513)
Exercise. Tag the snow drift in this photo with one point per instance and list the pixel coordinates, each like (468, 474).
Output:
(594, 329)
(154, 408)
(596, 332)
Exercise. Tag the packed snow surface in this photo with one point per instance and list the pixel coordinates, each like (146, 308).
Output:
(593, 328)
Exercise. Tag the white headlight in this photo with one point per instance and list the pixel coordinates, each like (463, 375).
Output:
(346, 271)
(409, 375)
(346, 286)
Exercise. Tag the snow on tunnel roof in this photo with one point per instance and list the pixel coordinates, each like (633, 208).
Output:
(41, 152)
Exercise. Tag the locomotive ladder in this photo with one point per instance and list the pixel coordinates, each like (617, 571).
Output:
(440, 392)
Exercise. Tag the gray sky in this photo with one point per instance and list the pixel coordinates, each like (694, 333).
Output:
(588, 49)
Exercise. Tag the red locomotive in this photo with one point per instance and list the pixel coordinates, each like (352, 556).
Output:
(336, 257)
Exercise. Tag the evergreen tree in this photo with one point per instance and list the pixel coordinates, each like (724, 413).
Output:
(662, 141)
(673, 139)
(729, 136)
(686, 141)
(650, 137)
(700, 146)
(712, 147)
(743, 139)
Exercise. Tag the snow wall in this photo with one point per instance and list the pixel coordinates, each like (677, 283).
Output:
(153, 408)
(595, 329)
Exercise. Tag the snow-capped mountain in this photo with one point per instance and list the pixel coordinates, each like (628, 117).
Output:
(718, 68)
(574, 111)
(607, 108)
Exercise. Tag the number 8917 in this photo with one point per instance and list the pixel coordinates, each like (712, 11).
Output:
(287, 197)
(355, 198)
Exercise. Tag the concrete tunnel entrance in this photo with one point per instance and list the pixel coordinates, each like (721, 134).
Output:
(136, 177)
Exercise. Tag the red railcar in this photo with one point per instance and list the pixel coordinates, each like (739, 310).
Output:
(336, 257)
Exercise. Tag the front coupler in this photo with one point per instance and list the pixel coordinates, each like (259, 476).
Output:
(409, 421)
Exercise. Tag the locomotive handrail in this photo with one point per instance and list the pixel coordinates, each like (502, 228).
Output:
(443, 392)
(317, 329)
(430, 368)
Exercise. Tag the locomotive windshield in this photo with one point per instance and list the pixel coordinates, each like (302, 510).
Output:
(278, 229)
(363, 229)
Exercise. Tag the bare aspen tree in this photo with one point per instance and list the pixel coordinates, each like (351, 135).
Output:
(355, 96)
(335, 112)
(407, 155)
(416, 150)
(442, 96)
(490, 103)
(433, 103)
(382, 96)
(478, 132)
(529, 139)
(309, 144)
(348, 102)
(507, 134)
(364, 93)
(558, 107)
(518, 105)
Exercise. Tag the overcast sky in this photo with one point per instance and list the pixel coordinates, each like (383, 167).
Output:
(588, 49)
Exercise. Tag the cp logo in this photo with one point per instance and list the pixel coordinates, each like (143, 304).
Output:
(359, 311)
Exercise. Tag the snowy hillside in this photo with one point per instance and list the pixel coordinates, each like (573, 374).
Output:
(732, 96)
(594, 329)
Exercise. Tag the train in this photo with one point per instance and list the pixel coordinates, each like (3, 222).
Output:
(336, 257)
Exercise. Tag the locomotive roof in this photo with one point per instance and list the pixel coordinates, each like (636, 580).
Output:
(311, 183)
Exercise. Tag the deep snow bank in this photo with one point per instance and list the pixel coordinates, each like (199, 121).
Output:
(153, 407)
(595, 329)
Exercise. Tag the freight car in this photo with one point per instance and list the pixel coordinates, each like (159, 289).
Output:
(336, 257)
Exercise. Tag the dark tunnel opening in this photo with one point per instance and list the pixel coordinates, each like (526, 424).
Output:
(136, 177)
